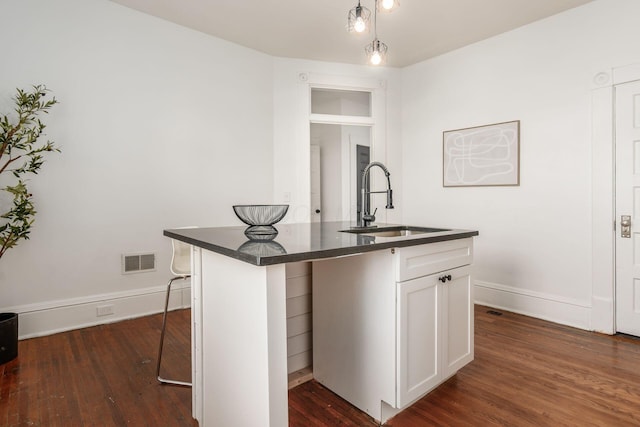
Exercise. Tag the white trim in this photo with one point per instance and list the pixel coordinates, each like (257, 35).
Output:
(544, 306)
(333, 119)
(64, 315)
(626, 74)
(330, 81)
(603, 195)
(602, 211)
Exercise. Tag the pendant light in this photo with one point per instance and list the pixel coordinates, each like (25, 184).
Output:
(376, 50)
(358, 19)
(388, 5)
(358, 22)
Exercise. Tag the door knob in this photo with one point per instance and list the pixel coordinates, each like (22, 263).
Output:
(317, 210)
(625, 226)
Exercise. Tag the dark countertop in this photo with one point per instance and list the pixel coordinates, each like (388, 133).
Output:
(301, 242)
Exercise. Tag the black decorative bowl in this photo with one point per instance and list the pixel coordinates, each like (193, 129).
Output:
(260, 219)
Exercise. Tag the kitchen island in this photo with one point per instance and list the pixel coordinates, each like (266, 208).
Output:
(239, 343)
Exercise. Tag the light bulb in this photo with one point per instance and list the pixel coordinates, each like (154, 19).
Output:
(360, 25)
(376, 59)
(388, 4)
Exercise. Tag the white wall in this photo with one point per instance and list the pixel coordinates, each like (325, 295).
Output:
(160, 126)
(533, 254)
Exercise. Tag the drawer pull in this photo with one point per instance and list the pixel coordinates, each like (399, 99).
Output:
(445, 278)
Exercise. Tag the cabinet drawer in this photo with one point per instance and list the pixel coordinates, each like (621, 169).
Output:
(418, 261)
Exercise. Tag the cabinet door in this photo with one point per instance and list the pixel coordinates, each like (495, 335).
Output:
(457, 321)
(418, 338)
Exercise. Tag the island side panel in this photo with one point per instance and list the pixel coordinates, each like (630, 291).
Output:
(244, 345)
(196, 333)
(354, 328)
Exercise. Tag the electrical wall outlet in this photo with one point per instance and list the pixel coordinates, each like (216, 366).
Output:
(104, 310)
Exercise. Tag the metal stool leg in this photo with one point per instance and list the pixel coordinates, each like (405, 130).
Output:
(164, 327)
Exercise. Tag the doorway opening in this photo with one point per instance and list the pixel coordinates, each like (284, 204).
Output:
(339, 154)
(341, 138)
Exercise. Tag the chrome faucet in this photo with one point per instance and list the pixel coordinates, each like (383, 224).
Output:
(366, 217)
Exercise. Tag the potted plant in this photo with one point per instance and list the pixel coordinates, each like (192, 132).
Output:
(20, 155)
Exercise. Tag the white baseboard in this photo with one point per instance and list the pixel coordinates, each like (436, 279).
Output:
(535, 304)
(36, 320)
(64, 315)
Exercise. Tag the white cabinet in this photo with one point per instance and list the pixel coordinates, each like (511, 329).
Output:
(423, 260)
(434, 335)
(418, 359)
(391, 325)
(457, 321)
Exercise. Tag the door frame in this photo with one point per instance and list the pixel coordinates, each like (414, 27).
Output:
(377, 121)
(603, 186)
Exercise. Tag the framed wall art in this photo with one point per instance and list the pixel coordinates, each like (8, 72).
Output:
(482, 155)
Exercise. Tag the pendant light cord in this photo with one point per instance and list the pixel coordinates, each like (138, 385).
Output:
(375, 19)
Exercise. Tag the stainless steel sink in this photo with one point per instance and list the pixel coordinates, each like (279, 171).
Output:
(394, 231)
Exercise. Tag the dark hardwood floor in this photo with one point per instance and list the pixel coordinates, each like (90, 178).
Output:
(99, 376)
(527, 372)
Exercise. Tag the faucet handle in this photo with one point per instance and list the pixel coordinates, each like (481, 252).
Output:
(370, 217)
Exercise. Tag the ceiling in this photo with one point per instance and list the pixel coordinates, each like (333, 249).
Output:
(417, 30)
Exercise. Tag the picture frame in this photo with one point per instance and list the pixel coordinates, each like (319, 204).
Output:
(481, 156)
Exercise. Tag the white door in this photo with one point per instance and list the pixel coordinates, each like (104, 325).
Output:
(418, 347)
(457, 320)
(627, 128)
(316, 208)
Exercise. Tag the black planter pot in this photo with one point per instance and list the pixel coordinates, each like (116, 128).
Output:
(8, 337)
